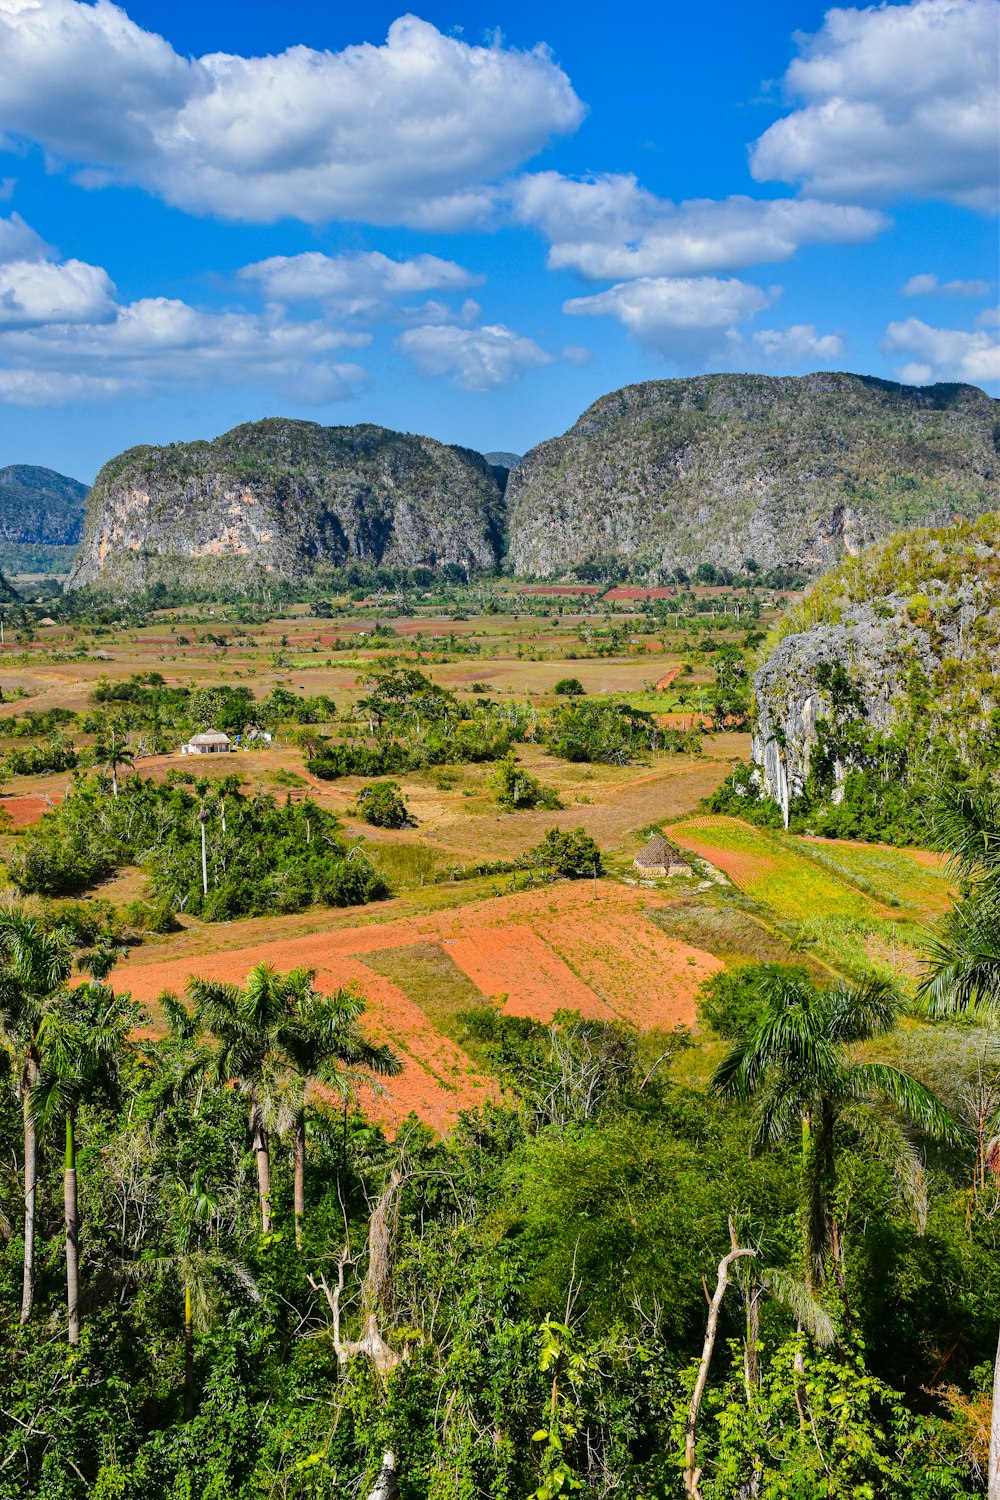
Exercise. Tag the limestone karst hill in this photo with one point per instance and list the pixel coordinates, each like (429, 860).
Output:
(285, 498)
(725, 468)
(672, 473)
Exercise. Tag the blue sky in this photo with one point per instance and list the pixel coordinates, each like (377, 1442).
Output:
(473, 220)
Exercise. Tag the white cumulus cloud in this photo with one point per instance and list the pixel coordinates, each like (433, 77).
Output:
(478, 359)
(18, 241)
(610, 227)
(943, 353)
(36, 292)
(682, 317)
(897, 101)
(161, 343)
(365, 284)
(927, 285)
(412, 131)
(798, 344)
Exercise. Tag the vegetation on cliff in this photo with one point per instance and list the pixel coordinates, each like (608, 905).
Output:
(750, 469)
(881, 683)
(281, 498)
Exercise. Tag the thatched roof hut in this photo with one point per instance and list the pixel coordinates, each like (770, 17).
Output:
(660, 858)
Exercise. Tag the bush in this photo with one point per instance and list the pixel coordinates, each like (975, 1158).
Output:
(150, 916)
(733, 1000)
(381, 805)
(85, 921)
(573, 854)
(569, 687)
(516, 788)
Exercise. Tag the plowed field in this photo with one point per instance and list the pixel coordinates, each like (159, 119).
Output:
(584, 946)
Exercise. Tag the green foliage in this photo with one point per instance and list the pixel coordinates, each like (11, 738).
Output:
(515, 787)
(260, 857)
(572, 853)
(381, 805)
(569, 687)
(854, 1438)
(734, 1000)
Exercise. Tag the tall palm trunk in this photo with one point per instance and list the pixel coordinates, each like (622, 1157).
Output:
(188, 1354)
(994, 1474)
(28, 1080)
(299, 1157)
(72, 1231)
(262, 1148)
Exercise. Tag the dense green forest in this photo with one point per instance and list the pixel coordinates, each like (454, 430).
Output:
(608, 1282)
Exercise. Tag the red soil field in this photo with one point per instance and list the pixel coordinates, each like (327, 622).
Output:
(562, 588)
(27, 809)
(631, 593)
(583, 946)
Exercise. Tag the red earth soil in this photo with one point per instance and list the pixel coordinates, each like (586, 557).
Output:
(26, 810)
(585, 946)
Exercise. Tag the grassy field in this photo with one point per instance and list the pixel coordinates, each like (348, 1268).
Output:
(623, 948)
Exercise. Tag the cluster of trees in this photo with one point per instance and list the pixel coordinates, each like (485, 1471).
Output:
(271, 1295)
(209, 850)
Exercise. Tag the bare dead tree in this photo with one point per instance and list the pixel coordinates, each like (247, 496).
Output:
(376, 1287)
(692, 1474)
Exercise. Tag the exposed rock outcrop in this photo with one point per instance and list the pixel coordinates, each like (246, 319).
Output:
(909, 634)
(284, 498)
(722, 468)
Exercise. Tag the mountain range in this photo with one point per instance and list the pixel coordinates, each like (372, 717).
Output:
(726, 469)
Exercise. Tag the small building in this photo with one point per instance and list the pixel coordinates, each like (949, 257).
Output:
(211, 742)
(660, 858)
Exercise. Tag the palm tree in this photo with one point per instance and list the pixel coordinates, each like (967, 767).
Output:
(243, 1022)
(116, 754)
(277, 1036)
(81, 1038)
(962, 967)
(197, 1264)
(962, 971)
(796, 1064)
(36, 965)
(319, 1042)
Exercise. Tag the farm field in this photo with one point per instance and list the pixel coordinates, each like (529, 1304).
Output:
(771, 871)
(453, 935)
(586, 946)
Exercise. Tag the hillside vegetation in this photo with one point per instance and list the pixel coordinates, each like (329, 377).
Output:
(735, 468)
(749, 473)
(885, 678)
(281, 498)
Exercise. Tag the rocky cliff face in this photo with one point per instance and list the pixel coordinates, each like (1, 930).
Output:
(908, 634)
(284, 498)
(40, 507)
(722, 468)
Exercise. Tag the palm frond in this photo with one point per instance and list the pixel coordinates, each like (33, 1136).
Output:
(856, 1013)
(965, 824)
(882, 1138)
(803, 1304)
(907, 1096)
(962, 963)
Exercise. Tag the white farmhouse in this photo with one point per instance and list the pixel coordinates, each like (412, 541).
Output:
(211, 742)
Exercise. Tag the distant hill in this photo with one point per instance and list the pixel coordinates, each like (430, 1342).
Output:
(725, 468)
(39, 507)
(286, 498)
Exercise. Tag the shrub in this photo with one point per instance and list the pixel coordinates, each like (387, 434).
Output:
(573, 854)
(732, 1001)
(569, 687)
(381, 805)
(516, 788)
